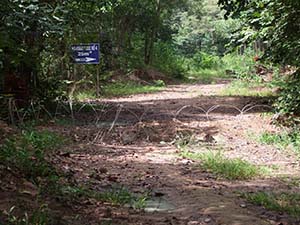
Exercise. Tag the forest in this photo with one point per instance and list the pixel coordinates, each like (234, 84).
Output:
(149, 112)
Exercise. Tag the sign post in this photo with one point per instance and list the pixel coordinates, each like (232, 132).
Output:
(87, 54)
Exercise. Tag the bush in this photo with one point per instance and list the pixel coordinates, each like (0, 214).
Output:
(288, 103)
(241, 66)
(166, 60)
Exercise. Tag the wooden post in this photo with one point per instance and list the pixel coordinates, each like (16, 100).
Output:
(98, 82)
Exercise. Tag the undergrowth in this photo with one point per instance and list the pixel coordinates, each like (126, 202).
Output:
(27, 153)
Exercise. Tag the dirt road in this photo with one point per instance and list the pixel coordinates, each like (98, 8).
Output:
(131, 142)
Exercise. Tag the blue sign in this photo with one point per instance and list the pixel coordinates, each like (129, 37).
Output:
(86, 53)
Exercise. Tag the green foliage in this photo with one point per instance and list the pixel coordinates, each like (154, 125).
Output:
(200, 27)
(240, 66)
(202, 60)
(27, 153)
(288, 103)
(159, 83)
(232, 169)
(273, 22)
(283, 140)
(166, 59)
(275, 25)
(282, 202)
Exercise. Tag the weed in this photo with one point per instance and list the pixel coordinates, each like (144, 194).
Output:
(122, 196)
(184, 139)
(282, 202)
(159, 83)
(37, 217)
(232, 169)
(240, 65)
(116, 195)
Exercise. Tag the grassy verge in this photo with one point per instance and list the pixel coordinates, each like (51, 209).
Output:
(282, 140)
(246, 88)
(282, 202)
(232, 169)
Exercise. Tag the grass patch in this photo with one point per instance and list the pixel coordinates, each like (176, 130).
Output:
(232, 169)
(130, 88)
(282, 202)
(123, 196)
(120, 89)
(282, 140)
(246, 88)
(115, 196)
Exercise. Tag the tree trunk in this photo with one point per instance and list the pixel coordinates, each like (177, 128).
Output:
(150, 37)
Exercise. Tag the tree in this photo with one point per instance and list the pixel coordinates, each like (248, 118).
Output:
(277, 23)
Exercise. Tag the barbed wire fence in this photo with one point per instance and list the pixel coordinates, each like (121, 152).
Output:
(101, 110)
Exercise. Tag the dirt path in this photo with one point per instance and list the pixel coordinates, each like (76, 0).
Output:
(130, 143)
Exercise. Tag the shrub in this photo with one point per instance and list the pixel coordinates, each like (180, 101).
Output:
(288, 103)
(168, 61)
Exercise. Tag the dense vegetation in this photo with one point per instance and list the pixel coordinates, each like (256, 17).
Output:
(178, 38)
